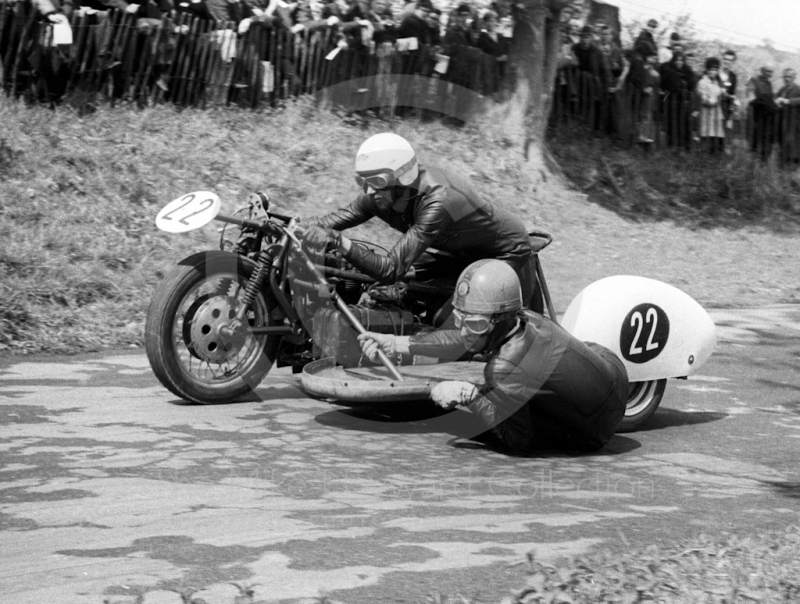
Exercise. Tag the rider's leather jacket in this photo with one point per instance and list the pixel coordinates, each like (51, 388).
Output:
(443, 211)
(543, 385)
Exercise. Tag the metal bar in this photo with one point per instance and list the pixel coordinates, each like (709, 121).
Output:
(540, 276)
(422, 288)
(342, 306)
(274, 330)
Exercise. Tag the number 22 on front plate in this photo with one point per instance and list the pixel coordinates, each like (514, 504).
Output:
(188, 212)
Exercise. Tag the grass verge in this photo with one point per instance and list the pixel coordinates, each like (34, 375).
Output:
(698, 190)
(729, 569)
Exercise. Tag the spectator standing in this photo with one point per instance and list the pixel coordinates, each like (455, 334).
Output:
(594, 76)
(729, 80)
(643, 82)
(565, 90)
(788, 100)
(496, 47)
(665, 52)
(459, 45)
(434, 21)
(616, 66)
(677, 86)
(763, 111)
(415, 26)
(645, 42)
(711, 94)
(383, 23)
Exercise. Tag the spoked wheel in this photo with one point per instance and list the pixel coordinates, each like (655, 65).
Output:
(643, 400)
(190, 350)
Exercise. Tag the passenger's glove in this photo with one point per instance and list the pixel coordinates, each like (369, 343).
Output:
(319, 240)
(450, 394)
(372, 342)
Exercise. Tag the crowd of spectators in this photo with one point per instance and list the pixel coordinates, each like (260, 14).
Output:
(648, 92)
(419, 38)
(676, 96)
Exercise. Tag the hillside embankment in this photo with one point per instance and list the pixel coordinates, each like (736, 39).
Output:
(78, 197)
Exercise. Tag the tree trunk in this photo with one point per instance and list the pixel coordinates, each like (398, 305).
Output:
(533, 57)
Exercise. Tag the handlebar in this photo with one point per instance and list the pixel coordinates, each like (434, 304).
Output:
(256, 225)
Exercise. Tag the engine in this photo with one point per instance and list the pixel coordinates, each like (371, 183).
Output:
(333, 336)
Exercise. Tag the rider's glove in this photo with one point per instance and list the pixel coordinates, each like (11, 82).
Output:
(319, 240)
(372, 342)
(451, 394)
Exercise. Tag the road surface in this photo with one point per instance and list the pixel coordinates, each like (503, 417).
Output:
(110, 489)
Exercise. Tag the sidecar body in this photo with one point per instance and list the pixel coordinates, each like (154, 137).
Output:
(657, 330)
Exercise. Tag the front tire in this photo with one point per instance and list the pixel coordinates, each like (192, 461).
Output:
(185, 350)
(643, 400)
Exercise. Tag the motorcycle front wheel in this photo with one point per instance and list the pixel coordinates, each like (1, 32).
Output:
(643, 400)
(188, 352)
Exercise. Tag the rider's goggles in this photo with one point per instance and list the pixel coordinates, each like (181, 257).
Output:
(477, 325)
(383, 179)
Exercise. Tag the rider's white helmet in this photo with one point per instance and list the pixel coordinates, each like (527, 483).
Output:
(389, 155)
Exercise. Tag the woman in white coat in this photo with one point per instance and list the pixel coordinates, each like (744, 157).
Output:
(712, 118)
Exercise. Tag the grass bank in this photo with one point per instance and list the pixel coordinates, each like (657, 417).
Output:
(80, 253)
(728, 569)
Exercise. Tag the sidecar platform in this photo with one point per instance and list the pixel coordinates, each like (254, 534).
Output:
(325, 379)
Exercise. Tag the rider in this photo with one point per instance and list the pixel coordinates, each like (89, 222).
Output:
(445, 221)
(543, 387)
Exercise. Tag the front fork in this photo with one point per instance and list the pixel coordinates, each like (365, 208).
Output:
(268, 266)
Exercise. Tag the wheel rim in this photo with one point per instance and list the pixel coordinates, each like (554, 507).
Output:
(640, 396)
(201, 311)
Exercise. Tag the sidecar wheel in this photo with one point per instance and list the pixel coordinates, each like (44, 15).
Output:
(643, 400)
(187, 353)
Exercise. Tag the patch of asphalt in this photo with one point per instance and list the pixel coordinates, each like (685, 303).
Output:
(115, 491)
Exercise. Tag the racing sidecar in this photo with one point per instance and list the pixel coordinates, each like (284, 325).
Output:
(657, 330)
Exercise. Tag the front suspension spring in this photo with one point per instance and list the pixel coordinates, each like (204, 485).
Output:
(254, 284)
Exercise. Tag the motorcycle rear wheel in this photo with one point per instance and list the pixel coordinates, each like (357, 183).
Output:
(643, 400)
(192, 301)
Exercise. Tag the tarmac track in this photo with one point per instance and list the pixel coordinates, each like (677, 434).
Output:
(111, 489)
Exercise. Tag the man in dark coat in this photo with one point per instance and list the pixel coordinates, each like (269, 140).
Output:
(591, 59)
(596, 79)
(788, 100)
(446, 223)
(646, 42)
(763, 112)
(677, 84)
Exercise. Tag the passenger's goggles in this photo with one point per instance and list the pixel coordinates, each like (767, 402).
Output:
(477, 325)
(383, 179)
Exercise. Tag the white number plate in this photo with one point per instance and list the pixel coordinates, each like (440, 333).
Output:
(188, 212)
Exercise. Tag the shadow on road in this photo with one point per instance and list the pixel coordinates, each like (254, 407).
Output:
(424, 417)
(407, 417)
(669, 418)
(785, 489)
